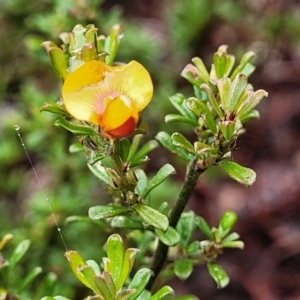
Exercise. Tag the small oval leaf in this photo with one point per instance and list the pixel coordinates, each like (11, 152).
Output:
(185, 227)
(203, 226)
(179, 140)
(218, 274)
(183, 268)
(123, 148)
(74, 128)
(239, 173)
(54, 108)
(158, 178)
(76, 263)
(141, 154)
(129, 258)
(106, 211)
(18, 253)
(200, 109)
(165, 139)
(178, 118)
(129, 222)
(139, 281)
(115, 253)
(152, 216)
(170, 238)
(227, 221)
(163, 292)
(99, 171)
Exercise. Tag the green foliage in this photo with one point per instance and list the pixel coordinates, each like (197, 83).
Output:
(223, 102)
(109, 284)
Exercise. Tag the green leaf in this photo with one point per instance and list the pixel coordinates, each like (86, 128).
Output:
(142, 182)
(203, 226)
(180, 141)
(218, 274)
(245, 61)
(223, 62)
(144, 244)
(144, 295)
(5, 240)
(201, 148)
(18, 253)
(233, 244)
(71, 219)
(200, 109)
(129, 258)
(165, 139)
(106, 286)
(201, 68)
(88, 53)
(94, 266)
(48, 284)
(183, 268)
(134, 145)
(55, 298)
(228, 219)
(115, 253)
(152, 216)
(158, 178)
(125, 294)
(29, 278)
(161, 293)
(231, 237)
(89, 277)
(139, 281)
(112, 42)
(237, 87)
(74, 128)
(141, 154)
(170, 237)
(58, 59)
(128, 222)
(139, 162)
(178, 118)
(224, 89)
(178, 102)
(248, 69)
(99, 171)
(106, 211)
(75, 148)
(252, 114)
(123, 148)
(193, 248)
(187, 297)
(228, 129)
(185, 227)
(76, 263)
(211, 97)
(252, 100)
(239, 173)
(54, 108)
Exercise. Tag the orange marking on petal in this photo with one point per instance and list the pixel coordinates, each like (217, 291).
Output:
(125, 129)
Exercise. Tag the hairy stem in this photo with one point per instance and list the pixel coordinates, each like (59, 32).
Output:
(187, 187)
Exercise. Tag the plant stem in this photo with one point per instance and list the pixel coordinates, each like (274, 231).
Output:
(127, 177)
(186, 190)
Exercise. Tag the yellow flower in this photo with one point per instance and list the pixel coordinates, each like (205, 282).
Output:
(110, 96)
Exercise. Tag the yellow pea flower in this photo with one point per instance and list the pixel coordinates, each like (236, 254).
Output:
(110, 96)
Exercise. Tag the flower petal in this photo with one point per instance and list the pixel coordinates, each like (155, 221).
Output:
(134, 81)
(124, 130)
(117, 112)
(82, 93)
